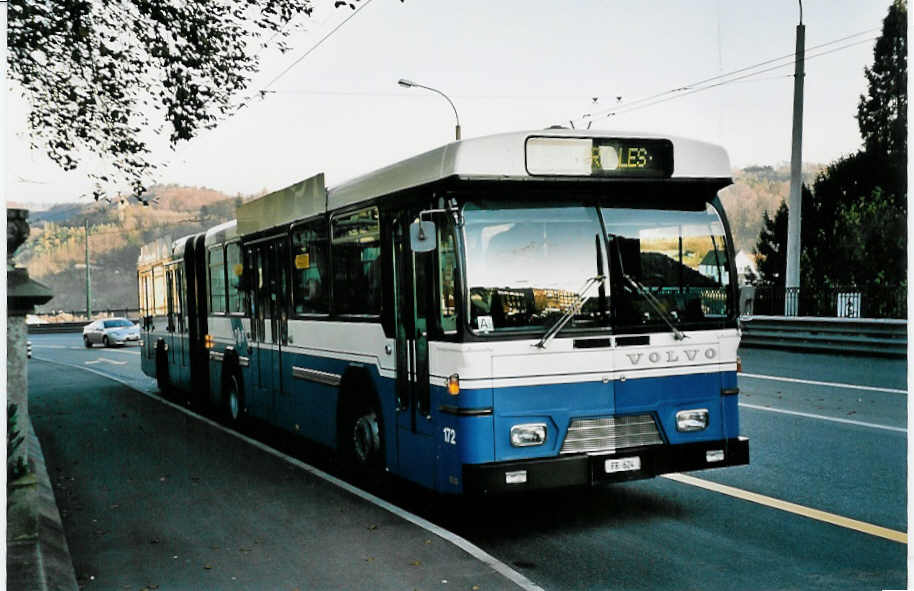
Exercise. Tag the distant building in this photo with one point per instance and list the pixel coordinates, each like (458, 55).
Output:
(713, 263)
(745, 265)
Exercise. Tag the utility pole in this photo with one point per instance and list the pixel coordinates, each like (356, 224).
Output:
(88, 282)
(794, 216)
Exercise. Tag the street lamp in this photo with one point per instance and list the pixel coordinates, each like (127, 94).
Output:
(409, 84)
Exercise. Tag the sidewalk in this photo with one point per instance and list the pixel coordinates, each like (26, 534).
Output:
(37, 557)
(152, 498)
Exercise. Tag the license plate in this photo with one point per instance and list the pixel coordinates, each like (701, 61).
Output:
(622, 465)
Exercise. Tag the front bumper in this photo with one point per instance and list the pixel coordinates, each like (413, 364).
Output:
(579, 469)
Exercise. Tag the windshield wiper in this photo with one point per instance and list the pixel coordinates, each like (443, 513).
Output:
(655, 304)
(648, 296)
(572, 311)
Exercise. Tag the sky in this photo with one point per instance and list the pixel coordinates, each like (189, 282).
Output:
(507, 66)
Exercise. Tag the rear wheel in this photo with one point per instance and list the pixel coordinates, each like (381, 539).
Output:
(162, 378)
(234, 401)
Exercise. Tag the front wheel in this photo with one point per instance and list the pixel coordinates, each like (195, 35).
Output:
(362, 441)
(105, 341)
(86, 342)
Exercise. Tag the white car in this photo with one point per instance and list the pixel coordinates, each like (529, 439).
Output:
(111, 331)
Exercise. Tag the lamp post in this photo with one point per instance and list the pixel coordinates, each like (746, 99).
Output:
(409, 84)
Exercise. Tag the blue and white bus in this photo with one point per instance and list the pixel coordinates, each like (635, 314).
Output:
(513, 312)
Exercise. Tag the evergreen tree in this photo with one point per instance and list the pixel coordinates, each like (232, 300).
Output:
(771, 248)
(882, 111)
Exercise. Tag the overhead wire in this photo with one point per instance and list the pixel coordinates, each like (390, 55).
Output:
(263, 91)
(628, 108)
(316, 45)
(689, 88)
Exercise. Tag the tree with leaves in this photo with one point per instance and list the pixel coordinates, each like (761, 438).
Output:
(95, 71)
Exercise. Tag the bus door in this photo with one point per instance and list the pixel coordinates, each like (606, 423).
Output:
(415, 441)
(181, 324)
(170, 314)
(268, 322)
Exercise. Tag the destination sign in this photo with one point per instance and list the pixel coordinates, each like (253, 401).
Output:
(603, 157)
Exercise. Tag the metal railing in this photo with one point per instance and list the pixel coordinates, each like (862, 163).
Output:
(74, 320)
(80, 315)
(872, 301)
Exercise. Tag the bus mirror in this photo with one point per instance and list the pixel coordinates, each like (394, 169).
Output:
(422, 236)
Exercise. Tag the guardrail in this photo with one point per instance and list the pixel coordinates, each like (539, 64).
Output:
(56, 327)
(63, 327)
(843, 335)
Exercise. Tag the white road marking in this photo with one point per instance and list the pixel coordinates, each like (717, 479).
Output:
(127, 351)
(829, 384)
(823, 417)
(104, 360)
(462, 543)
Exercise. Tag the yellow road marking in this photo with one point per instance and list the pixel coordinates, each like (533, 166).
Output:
(841, 521)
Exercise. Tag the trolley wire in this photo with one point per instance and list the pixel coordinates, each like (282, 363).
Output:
(700, 85)
(265, 90)
(315, 46)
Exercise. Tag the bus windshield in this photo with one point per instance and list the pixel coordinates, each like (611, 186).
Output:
(630, 269)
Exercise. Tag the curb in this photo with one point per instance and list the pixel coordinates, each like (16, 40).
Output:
(42, 562)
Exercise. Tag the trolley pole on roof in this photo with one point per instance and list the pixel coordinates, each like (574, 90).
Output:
(795, 213)
(88, 282)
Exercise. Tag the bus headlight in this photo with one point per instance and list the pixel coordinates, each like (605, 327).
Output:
(692, 420)
(528, 434)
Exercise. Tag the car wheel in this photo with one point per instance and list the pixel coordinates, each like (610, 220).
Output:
(105, 341)
(86, 342)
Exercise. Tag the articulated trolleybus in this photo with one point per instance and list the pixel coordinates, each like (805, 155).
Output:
(513, 312)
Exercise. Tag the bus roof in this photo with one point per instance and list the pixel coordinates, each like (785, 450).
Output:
(159, 250)
(221, 233)
(503, 156)
(495, 157)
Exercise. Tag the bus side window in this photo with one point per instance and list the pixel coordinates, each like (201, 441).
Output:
(357, 262)
(170, 298)
(310, 262)
(216, 280)
(141, 291)
(179, 297)
(158, 290)
(447, 278)
(235, 270)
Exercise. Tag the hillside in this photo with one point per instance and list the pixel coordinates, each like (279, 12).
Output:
(55, 250)
(757, 189)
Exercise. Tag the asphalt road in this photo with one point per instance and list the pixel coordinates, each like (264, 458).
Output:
(815, 442)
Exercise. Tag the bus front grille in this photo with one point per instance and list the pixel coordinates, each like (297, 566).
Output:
(607, 434)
